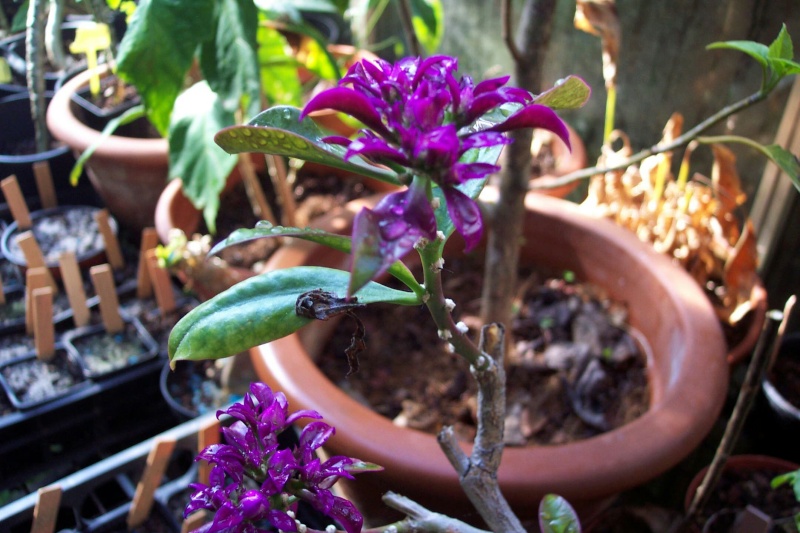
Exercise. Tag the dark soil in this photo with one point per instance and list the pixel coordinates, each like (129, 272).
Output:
(737, 490)
(197, 386)
(69, 230)
(785, 376)
(14, 345)
(315, 194)
(103, 353)
(576, 371)
(33, 381)
(154, 321)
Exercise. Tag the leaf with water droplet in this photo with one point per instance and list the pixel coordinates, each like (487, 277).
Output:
(279, 131)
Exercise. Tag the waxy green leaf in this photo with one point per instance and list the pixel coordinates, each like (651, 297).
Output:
(787, 161)
(342, 243)
(262, 309)
(193, 156)
(556, 515)
(279, 131)
(158, 69)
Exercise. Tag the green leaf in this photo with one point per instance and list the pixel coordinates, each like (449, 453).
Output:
(279, 131)
(342, 243)
(20, 21)
(127, 117)
(787, 162)
(757, 51)
(427, 17)
(158, 49)
(570, 93)
(193, 155)
(278, 67)
(556, 515)
(785, 67)
(262, 309)
(229, 61)
(781, 47)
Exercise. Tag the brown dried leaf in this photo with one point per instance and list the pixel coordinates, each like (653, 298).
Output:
(740, 267)
(599, 17)
(725, 178)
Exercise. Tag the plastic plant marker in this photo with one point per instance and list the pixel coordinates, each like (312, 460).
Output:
(103, 280)
(16, 202)
(45, 512)
(5, 71)
(35, 278)
(88, 41)
(113, 250)
(161, 283)
(44, 184)
(34, 256)
(73, 285)
(157, 461)
(194, 521)
(43, 329)
(144, 287)
(207, 435)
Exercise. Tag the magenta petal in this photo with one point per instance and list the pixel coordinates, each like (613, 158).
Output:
(466, 216)
(490, 85)
(535, 116)
(347, 101)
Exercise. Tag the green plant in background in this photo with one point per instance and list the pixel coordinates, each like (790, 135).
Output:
(793, 478)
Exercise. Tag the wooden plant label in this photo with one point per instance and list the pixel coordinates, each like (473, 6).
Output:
(73, 285)
(2, 293)
(144, 286)
(35, 278)
(113, 250)
(44, 184)
(162, 285)
(16, 202)
(206, 436)
(34, 256)
(194, 521)
(103, 281)
(43, 329)
(45, 512)
(157, 461)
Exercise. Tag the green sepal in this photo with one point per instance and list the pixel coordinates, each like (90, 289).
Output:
(342, 243)
(556, 515)
(261, 309)
(279, 131)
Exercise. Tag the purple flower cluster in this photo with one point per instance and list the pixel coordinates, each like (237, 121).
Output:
(280, 478)
(421, 118)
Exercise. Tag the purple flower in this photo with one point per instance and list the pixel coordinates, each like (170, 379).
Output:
(254, 483)
(420, 117)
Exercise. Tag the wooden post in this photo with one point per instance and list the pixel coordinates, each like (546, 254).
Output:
(44, 184)
(43, 329)
(73, 285)
(144, 286)
(34, 256)
(113, 249)
(35, 278)
(45, 512)
(194, 521)
(103, 281)
(206, 436)
(157, 462)
(162, 285)
(16, 202)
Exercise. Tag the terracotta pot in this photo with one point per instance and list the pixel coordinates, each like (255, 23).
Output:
(566, 161)
(128, 173)
(741, 464)
(686, 365)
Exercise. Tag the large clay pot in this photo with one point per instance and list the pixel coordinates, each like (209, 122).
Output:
(686, 365)
(128, 173)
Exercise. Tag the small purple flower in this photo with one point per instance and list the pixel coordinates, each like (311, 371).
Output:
(420, 117)
(253, 483)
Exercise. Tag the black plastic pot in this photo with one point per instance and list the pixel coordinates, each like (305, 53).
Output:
(188, 390)
(782, 418)
(16, 110)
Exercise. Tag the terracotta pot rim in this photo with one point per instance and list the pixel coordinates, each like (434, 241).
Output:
(66, 127)
(679, 417)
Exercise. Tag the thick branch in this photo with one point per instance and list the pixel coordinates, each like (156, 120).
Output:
(34, 51)
(478, 472)
(408, 29)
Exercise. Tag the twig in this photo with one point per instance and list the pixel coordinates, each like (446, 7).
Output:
(507, 33)
(679, 142)
(478, 472)
(768, 343)
(406, 20)
(421, 519)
